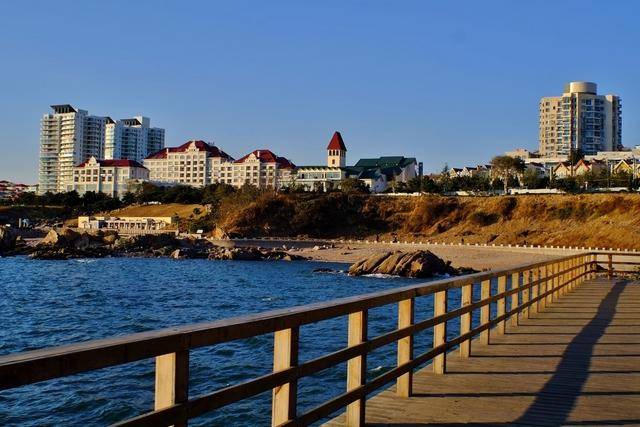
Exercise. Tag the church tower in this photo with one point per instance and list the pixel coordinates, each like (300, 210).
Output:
(336, 151)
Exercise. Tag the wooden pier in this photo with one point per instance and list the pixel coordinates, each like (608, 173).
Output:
(558, 343)
(575, 363)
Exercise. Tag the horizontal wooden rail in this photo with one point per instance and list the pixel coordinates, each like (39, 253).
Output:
(537, 283)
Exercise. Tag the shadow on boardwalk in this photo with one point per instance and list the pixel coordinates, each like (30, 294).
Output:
(552, 402)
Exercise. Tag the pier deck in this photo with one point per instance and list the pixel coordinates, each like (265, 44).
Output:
(577, 362)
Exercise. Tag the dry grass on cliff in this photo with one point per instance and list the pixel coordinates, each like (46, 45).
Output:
(583, 220)
(572, 220)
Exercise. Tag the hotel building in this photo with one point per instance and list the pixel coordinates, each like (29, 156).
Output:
(580, 119)
(197, 163)
(112, 177)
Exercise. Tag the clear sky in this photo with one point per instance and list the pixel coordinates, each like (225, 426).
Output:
(447, 82)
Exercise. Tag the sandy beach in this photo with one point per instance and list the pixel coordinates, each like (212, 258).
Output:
(475, 257)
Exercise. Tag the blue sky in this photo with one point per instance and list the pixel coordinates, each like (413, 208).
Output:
(447, 82)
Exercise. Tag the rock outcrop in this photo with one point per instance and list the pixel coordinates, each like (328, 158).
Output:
(8, 238)
(405, 264)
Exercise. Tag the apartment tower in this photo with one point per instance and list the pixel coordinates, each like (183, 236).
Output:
(132, 139)
(68, 136)
(580, 119)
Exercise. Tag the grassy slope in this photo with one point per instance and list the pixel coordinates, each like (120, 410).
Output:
(166, 210)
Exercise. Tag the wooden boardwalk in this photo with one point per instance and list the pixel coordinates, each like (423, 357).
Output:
(576, 362)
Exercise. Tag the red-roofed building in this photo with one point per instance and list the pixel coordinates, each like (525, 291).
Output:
(112, 177)
(336, 151)
(194, 163)
(261, 168)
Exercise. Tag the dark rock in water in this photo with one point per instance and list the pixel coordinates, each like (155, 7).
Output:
(252, 254)
(405, 264)
(323, 270)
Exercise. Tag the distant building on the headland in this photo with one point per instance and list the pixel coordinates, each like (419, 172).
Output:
(11, 190)
(128, 224)
(565, 169)
(377, 174)
(197, 163)
(132, 139)
(579, 119)
(70, 136)
(111, 177)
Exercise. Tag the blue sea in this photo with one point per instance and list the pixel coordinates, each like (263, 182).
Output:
(49, 303)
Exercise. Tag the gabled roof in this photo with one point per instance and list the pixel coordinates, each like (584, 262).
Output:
(267, 156)
(123, 163)
(336, 142)
(200, 146)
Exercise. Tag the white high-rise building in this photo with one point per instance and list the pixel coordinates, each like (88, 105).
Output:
(68, 137)
(580, 119)
(132, 139)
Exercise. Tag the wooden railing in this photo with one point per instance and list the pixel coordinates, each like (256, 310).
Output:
(531, 288)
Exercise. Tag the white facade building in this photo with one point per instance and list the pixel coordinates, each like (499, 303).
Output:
(68, 137)
(132, 139)
(197, 163)
(112, 177)
(194, 163)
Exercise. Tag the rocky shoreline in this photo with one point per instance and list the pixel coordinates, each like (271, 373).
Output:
(66, 243)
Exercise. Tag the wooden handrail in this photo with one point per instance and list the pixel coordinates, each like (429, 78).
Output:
(542, 282)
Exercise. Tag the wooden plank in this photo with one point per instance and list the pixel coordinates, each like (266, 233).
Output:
(440, 331)
(485, 292)
(465, 319)
(356, 368)
(172, 381)
(405, 347)
(285, 356)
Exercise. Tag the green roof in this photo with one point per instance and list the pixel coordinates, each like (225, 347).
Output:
(386, 162)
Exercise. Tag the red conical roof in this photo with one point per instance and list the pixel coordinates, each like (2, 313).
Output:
(336, 142)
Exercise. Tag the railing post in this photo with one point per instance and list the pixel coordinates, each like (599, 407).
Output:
(610, 259)
(556, 281)
(440, 331)
(501, 304)
(535, 275)
(548, 285)
(485, 293)
(285, 355)
(565, 278)
(526, 279)
(404, 383)
(356, 367)
(515, 299)
(172, 381)
(465, 319)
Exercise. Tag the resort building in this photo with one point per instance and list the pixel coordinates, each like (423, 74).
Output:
(198, 164)
(377, 174)
(68, 136)
(261, 168)
(10, 190)
(131, 139)
(112, 177)
(195, 163)
(580, 119)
